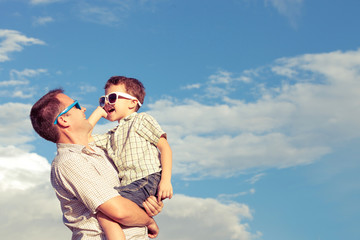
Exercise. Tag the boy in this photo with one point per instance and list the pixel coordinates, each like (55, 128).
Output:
(134, 146)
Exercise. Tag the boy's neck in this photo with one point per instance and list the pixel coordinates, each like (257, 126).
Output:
(126, 116)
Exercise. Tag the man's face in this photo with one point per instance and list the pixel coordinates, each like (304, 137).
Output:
(75, 117)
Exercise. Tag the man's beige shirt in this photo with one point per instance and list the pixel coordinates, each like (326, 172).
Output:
(83, 180)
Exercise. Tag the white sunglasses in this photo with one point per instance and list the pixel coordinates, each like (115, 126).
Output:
(112, 97)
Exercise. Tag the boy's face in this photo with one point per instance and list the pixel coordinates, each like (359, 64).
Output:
(122, 108)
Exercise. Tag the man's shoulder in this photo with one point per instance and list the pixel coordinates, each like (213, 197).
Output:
(67, 154)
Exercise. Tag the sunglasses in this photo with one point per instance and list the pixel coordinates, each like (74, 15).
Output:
(112, 97)
(76, 104)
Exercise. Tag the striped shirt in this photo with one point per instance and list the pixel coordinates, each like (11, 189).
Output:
(83, 180)
(132, 146)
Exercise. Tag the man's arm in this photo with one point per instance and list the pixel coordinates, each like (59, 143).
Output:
(127, 213)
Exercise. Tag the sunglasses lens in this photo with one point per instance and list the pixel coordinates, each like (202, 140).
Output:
(112, 98)
(77, 105)
(102, 101)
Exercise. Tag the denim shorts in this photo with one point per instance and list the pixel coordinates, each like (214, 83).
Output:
(139, 190)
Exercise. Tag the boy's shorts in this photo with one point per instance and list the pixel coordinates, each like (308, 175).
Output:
(139, 190)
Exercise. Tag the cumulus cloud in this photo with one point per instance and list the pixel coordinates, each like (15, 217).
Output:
(15, 128)
(28, 200)
(187, 217)
(26, 197)
(13, 41)
(314, 106)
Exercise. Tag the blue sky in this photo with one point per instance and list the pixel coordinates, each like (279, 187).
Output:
(260, 100)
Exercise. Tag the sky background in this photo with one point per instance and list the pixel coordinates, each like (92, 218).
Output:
(260, 100)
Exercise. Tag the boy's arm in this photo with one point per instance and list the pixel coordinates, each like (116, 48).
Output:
(98, 113)
(165, 187)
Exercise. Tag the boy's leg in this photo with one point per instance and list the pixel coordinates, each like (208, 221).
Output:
(112, 229)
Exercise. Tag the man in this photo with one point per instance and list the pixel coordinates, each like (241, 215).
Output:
(82, 177)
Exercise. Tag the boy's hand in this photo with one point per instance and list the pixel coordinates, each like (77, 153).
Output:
(165, 190)
(101, 111)
(98, 113)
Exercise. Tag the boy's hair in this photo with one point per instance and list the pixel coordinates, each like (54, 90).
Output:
(132, 86)
(43, 114)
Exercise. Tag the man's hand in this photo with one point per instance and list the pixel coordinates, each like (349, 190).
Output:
(153, 230)
(153, 206)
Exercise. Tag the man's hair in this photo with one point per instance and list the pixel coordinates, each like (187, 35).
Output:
(43, 114)
(132, 86)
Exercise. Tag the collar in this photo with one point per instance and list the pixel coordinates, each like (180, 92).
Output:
(125, 120)
(128, 118)
(77, 147)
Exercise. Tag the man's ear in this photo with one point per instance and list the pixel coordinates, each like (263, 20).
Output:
(63, 122)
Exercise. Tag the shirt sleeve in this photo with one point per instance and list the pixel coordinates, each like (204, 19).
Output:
(86, 181)
(101, 140)
(148, 128)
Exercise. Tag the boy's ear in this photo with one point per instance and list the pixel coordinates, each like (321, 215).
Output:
(133, 103)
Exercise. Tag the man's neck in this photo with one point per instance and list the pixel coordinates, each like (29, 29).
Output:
(70, 139)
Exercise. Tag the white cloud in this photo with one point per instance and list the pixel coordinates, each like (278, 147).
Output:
(23, 94)
(192, 86)
(18, 79)
(255, 178)
(115, 12)
(40, 21)
(220, 77)
(21, 170)
(28, 200)
(87, 89)
(227, 197)
(14, 42)
(36, 2)
(204, 219)
(13, 83)
(101, 15)
(289, 8)
(15, 74)
(297, 122)
(15, 128)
